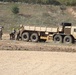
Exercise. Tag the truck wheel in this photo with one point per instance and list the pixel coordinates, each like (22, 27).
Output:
(58, 39)
(68, 39)
(34, 37)
(25, 36)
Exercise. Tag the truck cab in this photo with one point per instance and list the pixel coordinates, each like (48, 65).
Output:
(67, 33)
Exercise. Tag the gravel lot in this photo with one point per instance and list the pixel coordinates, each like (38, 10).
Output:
(37, 63)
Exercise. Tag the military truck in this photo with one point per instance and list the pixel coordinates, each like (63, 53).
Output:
(65, 33)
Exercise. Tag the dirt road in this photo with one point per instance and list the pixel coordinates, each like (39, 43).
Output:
(7, 44)
(37, 63)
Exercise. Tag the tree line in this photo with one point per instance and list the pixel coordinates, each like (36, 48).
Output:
(55, 2)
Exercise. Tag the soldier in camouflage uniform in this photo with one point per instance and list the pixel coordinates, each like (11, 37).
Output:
(12, 34)
(21, 29)
(19, 32)
(1, 33)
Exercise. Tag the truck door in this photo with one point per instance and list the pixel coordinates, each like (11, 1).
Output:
(73, 31)
(67, 30)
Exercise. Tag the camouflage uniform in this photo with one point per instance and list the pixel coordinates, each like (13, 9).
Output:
(12, 34)
(21, 29)
(1, 33)
(17, 34)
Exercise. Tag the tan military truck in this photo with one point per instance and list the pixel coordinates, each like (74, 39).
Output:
(65, 33)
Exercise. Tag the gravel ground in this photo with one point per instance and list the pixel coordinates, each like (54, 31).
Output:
(37, 63)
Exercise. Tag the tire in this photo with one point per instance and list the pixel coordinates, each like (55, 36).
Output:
(25, 36)
(68, 39)
(57, 38)
(34, 37)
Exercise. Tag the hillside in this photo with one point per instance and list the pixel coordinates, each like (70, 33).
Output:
(39, 15)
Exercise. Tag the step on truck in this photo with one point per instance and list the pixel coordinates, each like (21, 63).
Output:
(65, 33)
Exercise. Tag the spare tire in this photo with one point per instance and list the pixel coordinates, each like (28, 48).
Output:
(34, 37)
(25, 36)
(57, 38)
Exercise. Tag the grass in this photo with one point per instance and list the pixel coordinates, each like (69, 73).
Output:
(37, 15)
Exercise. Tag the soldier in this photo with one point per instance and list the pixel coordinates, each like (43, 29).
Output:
(21, 29)
(17, 34)
(1, 33)
(12, 34)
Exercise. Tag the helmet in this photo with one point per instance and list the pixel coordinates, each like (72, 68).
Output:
(21, 25)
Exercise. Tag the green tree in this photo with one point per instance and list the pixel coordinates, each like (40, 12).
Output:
(15, 9)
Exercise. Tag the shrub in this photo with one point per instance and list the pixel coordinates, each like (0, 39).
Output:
(15, 9)
(67, 2)
(63, 7)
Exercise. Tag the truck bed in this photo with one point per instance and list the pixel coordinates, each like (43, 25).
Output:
(41, 29)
